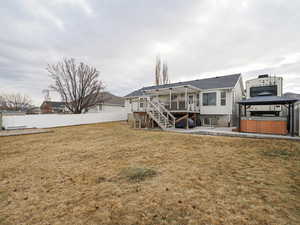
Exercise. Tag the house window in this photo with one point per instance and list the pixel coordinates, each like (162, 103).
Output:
(174, 97)
(141, 104)
(210, 98)
(223, 98)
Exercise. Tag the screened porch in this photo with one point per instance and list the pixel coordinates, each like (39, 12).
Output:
(175, 99)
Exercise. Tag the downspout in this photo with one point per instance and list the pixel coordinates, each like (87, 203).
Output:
(186, 98)
(170, 103)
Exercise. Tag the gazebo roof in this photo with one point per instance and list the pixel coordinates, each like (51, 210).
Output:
(268, 100)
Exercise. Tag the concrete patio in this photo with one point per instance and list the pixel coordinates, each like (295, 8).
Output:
(227, 131)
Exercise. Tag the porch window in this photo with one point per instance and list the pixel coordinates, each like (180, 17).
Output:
(191, 99)
(223, 98)
(209, 98)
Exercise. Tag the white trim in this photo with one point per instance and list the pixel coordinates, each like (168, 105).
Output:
(174, 87)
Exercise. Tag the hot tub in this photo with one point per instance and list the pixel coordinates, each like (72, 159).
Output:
(265, 125)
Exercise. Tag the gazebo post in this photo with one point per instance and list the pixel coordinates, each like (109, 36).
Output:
(239, 117)
(289, 118)
(292, 120)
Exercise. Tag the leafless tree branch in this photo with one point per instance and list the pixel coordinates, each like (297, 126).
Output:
(78, 85)
(15, 102)
(157, 70)
(164, 77)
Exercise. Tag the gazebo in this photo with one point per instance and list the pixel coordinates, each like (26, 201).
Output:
(273, 123)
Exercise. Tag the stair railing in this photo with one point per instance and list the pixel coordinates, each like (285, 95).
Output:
(168, 118)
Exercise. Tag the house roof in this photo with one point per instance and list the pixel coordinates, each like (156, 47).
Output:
(109, 99)
(292, 95)
(268, 100)
(54, 104)
(228, 81)
(104, 98)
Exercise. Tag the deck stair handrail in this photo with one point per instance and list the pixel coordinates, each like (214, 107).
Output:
(160, 114)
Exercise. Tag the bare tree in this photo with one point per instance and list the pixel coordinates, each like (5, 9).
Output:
(15, 102)
(157, 71)
(165, 77)
(2, 103)
(77, 85)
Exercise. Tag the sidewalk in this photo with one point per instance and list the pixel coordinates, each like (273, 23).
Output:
(227, 131)
(5, 133)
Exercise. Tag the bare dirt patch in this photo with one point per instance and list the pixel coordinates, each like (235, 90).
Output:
(75, 175)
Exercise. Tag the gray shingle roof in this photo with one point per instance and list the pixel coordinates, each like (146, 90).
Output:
(292, 95)
(228, 81)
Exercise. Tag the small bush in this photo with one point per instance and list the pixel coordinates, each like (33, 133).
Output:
(100, 179)
(137, 174)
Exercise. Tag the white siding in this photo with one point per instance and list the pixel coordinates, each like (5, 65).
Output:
(105, 108)
(217, 109)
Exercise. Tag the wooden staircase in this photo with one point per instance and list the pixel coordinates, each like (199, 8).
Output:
(160, 114)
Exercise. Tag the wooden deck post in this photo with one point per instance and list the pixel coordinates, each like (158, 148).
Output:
(187, 121)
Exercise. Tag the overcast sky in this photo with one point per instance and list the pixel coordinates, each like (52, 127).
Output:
(198, 39)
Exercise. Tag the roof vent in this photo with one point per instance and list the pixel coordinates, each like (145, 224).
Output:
(263, 76)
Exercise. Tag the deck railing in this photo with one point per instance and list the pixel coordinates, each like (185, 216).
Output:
(175, 106)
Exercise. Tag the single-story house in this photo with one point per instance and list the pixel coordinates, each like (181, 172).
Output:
(107, 102)
(53, 107)
(207, 102)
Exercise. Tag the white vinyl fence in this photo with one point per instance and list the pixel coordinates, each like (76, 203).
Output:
(58, 120)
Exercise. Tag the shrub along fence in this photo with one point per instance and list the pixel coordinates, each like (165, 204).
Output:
(58, 120)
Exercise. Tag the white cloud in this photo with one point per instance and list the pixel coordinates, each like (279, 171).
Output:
(122, 39)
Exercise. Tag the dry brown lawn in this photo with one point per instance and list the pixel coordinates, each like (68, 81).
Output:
(86, 175)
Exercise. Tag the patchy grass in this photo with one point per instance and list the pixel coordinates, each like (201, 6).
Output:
(87, 175)
(137, 174)
(283, 153)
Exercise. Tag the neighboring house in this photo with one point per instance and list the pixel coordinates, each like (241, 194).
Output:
(262, 86)
(53, 107)
(210, 101)
(107, 102)
(292, 95)
(34, 110)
